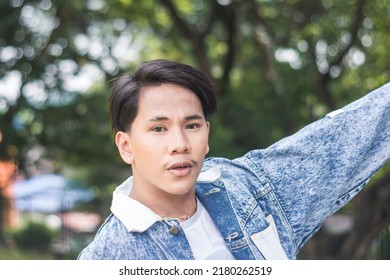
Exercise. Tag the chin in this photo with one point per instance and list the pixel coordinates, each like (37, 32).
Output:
(180, 189)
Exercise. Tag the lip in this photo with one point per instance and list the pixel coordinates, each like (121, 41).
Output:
(180, 168)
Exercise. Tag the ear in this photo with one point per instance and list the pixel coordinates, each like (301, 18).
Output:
(208, 132)
(123, 143)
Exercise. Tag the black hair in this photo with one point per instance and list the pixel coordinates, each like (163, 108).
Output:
(126, 91)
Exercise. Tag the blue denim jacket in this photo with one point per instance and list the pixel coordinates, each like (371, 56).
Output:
(269, 202)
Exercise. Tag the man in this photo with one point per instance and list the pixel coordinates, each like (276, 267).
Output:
(263, 205)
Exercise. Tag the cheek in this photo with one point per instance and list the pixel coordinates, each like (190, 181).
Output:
(144, 149)
(202, 145)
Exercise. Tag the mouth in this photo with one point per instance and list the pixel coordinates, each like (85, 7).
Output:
(180, 169)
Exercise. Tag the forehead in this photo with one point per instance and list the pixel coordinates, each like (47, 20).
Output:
(168, 99)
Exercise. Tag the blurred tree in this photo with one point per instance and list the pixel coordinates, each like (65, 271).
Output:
(276, 65)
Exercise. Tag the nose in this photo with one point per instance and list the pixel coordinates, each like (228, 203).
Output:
(178, 142)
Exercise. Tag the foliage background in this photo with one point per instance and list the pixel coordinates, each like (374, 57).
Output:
(276, 65)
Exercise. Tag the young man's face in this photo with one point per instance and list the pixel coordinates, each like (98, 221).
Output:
(167, 142)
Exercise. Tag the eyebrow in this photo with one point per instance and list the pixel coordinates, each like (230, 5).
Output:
(187, 118)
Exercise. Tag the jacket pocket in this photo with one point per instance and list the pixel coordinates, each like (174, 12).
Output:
(268, 242)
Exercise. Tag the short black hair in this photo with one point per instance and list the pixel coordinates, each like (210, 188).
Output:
(125, 92)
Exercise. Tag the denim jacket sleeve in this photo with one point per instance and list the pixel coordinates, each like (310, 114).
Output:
(316, 171)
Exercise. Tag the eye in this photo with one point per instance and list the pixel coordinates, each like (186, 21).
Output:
(159, 129)
(192, 126)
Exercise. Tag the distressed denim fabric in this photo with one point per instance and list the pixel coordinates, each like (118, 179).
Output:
(269, 202)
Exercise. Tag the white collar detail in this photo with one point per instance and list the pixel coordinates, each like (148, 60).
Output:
(209, 175)
(134, 215)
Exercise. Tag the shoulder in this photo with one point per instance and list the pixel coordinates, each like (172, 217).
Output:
(111, 236)
(235, 172)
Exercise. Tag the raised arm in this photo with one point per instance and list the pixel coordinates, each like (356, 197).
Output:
(316, 171)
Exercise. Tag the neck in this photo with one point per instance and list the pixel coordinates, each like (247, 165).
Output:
(185, 216)
(165, 205)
